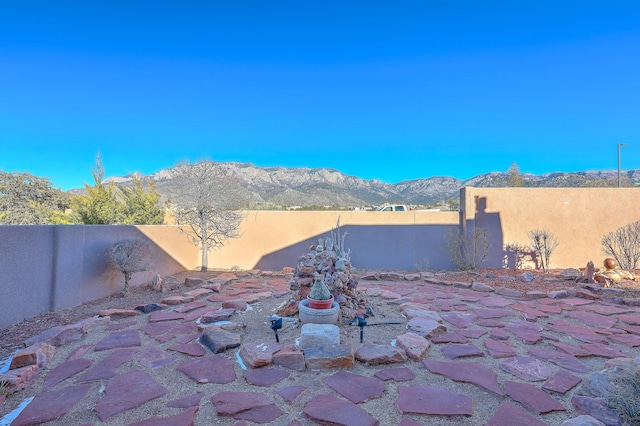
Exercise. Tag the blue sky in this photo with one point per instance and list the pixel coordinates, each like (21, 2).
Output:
(377, 89)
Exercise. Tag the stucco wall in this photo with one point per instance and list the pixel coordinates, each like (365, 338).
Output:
(578, 217)
(378, 240)
(49, 268)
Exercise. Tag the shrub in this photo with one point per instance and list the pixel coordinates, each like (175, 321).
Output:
(129, 257)
(467, 252)
(623, 245)
(626, 398)
(543, 243)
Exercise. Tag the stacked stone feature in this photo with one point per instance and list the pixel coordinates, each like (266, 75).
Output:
(330, 262)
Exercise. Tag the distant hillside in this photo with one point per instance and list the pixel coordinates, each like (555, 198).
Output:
(327, 187)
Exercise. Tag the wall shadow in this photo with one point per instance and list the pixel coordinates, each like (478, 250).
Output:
(492, 223)
(401, 247)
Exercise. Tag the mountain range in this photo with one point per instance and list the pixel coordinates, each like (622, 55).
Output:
(276, 186)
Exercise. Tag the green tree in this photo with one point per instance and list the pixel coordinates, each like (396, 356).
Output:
(140, 205)
(100, 205)
(26, 199)
(108, 203)
(515, 177)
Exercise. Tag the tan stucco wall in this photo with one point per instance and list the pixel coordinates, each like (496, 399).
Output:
(578, 217)
(279, 237)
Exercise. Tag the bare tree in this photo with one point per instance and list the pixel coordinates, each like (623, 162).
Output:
(467, 252)
(543, 243)
(205, 202)
(623, 245)
(129, 257)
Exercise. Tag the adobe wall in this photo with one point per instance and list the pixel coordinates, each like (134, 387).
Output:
(578, 217)
(53, 267)
(272, 240)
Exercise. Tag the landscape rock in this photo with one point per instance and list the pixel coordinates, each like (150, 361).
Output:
(426, 328)
(334, 356)
(219, 340)
(290, 357)
(319, 335)
(373, 354)
(414, 345)
(258, 355)
(582, 420)
(38, 354)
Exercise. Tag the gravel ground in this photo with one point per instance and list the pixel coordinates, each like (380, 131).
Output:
(256, 330)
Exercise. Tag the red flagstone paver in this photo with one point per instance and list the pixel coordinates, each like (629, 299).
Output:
(106, 369)
(354, 387)
(186, 418)
(561, 382)
(187, 401)
(209, 369)
(527, 368)
(455, 351)
(290, 393)
(499, 334)
(630, 319)
(550, 309)
(472, 333)
(486, 313)
(581, 333)
(188, 338)
(409, 422)
(129, 390)
(433, 400)
(398, 374)
(265, 376)
(251, 406)
(531, 397)
(154, 358)
(459, 319)
(496, 302)
(470, 372)
(79, 352)
(576, 301)
(593, 319)
(64, 371)
(499, 349)
(529, 314)
(454, 337)
(192, 349)
(605, 351)
(120, 326)
(119, 339)
(165, 316)
(154, 330)
(510, 414)
(51, 405)
(490, 323)
(563, 360)
(608, 309)
(626, 339)
(571, 350)
(328, 409)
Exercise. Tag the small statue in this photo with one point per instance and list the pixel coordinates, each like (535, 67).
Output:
(613, 274)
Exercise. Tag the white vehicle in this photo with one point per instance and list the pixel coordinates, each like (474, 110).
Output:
(394, 208)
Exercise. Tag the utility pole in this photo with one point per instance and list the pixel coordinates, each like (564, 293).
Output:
(619, 180)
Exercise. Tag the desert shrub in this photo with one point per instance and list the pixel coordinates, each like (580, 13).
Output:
(626, 399)
(543, 243)
(623, 245)
(467, 252)
(129, 257)
(515, 255)
(422, 265)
